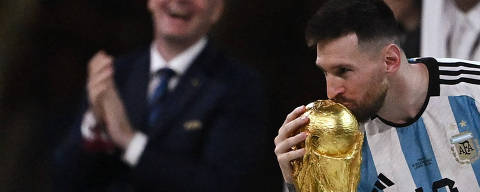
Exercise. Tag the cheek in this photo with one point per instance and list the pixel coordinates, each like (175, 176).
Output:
(374, 79)
(202, 4)
(153, 4)
(376, 86)
(209, 9)
(357, 87)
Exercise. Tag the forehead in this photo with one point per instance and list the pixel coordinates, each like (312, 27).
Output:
(343, 50)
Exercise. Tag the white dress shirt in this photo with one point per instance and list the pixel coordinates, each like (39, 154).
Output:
(179, 64)
(448, 32)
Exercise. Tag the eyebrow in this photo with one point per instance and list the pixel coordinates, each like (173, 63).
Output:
(336, 66)
(344, 65)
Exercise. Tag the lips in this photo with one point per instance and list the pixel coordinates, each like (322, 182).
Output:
(344, 102)
(348, 105)
(179, 12)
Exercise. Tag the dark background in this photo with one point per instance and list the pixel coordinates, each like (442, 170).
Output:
(46, 44)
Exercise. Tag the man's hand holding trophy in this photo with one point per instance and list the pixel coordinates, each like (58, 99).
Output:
(332, 150)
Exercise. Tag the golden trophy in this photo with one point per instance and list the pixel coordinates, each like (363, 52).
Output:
(332, 150)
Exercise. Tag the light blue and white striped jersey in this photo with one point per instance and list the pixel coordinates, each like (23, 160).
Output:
(438, 150)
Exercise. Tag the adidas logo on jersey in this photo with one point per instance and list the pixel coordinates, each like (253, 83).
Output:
(383, 182)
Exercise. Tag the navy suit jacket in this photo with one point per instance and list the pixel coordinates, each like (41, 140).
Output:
(211, 135)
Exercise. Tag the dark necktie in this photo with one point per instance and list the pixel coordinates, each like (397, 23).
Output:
(159, 94)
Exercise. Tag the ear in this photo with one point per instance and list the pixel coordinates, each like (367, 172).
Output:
(150, 6)
(217, 9)
(392, 57)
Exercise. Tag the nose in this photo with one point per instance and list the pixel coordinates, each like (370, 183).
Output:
(180, 1)
(334, 87)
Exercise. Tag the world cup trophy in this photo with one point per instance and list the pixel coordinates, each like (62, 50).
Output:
(332, 150)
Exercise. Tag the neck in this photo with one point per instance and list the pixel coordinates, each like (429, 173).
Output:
(170, 48)
(407, 93)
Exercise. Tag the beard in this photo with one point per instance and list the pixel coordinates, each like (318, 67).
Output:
(369, 105)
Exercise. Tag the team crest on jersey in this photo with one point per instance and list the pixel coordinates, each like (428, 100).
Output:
(465, 147)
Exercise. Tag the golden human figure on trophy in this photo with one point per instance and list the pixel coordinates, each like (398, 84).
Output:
(332, 150)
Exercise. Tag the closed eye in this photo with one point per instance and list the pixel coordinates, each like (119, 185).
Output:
(342, 71)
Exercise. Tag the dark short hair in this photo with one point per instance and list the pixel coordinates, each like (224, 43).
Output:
(370, 20)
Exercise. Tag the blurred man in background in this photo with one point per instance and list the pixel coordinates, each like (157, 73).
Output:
(173, 117)
(408, 14)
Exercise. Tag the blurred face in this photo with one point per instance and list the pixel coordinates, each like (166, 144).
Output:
(355, 78)
(184, 20)
(466, 5)
(401, 8)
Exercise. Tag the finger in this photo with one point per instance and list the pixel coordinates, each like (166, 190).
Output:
(284, 162)
(101, 77)
(99, 84)
(292, 155)
(95, 89)
(96, 93)
(95, 59)
(294, 114)
(290, 117)
(287, 130)
(103, 69)
(292, 126)
(287, 144)
(99, 61)
(100, 66)
(285, 159)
